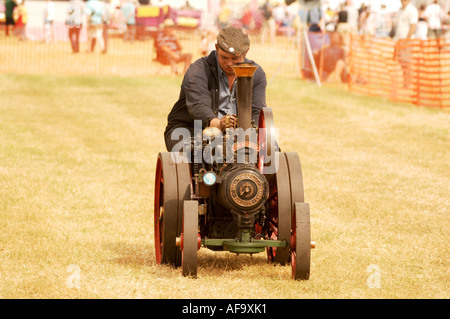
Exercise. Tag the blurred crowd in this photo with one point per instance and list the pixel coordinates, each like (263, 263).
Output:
(267, 18)
(428, 20)
(431, 18)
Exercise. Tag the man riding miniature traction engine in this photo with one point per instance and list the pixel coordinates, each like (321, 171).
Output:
(225, 185)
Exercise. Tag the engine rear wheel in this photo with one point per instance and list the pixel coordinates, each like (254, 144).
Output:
(301, 242)
(279, 211)
(286, 189)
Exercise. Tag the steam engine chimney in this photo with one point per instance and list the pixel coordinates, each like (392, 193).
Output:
(244, 73)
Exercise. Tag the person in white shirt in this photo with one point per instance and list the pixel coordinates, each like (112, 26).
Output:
(422, 25)
(49, 17)
(383, 23)
(352, 16)
(74, 23)
(434, 15)
(407, 18)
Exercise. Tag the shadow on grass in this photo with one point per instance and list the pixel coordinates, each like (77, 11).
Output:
(133, 254)
(209, 263)
(216, 264)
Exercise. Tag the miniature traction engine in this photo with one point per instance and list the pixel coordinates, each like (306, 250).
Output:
(232, 191)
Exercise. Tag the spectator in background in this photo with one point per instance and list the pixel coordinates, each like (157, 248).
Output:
(368, 24)
(129, 13)
(315, 19)
(335, 62)
(247, 17)
(446, 30)
(330, 20)
(279, 13)
(422, 25)
(343, 27)
(109, 10)
(268, 23)
(446, 20)
(224, 15)
(434, 15)
(407, 18)
(208, 40)
(362, 20)
(95, 10)
(383, 23)
(168, 48)
(49, 18)
(334, 65)
(446, 25)
(10, 5)
(21, 17)
(74, 23)
(352, 17)
(117, 19)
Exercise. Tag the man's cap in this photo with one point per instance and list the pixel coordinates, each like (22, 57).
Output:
(233, 40)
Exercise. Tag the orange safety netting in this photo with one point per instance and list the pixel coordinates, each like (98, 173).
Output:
(413, 71)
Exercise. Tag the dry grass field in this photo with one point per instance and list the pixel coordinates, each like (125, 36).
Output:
(77, 164)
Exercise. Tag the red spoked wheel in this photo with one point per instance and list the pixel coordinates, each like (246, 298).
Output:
(172, 187)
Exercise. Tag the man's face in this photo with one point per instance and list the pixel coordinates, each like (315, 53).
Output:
(227, 60)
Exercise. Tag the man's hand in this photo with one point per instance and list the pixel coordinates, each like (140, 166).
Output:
(229, 120)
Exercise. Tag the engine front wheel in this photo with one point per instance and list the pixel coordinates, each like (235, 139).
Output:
(190, 240)
(172, 187)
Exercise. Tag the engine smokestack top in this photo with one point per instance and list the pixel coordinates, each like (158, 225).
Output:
(244, 69)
